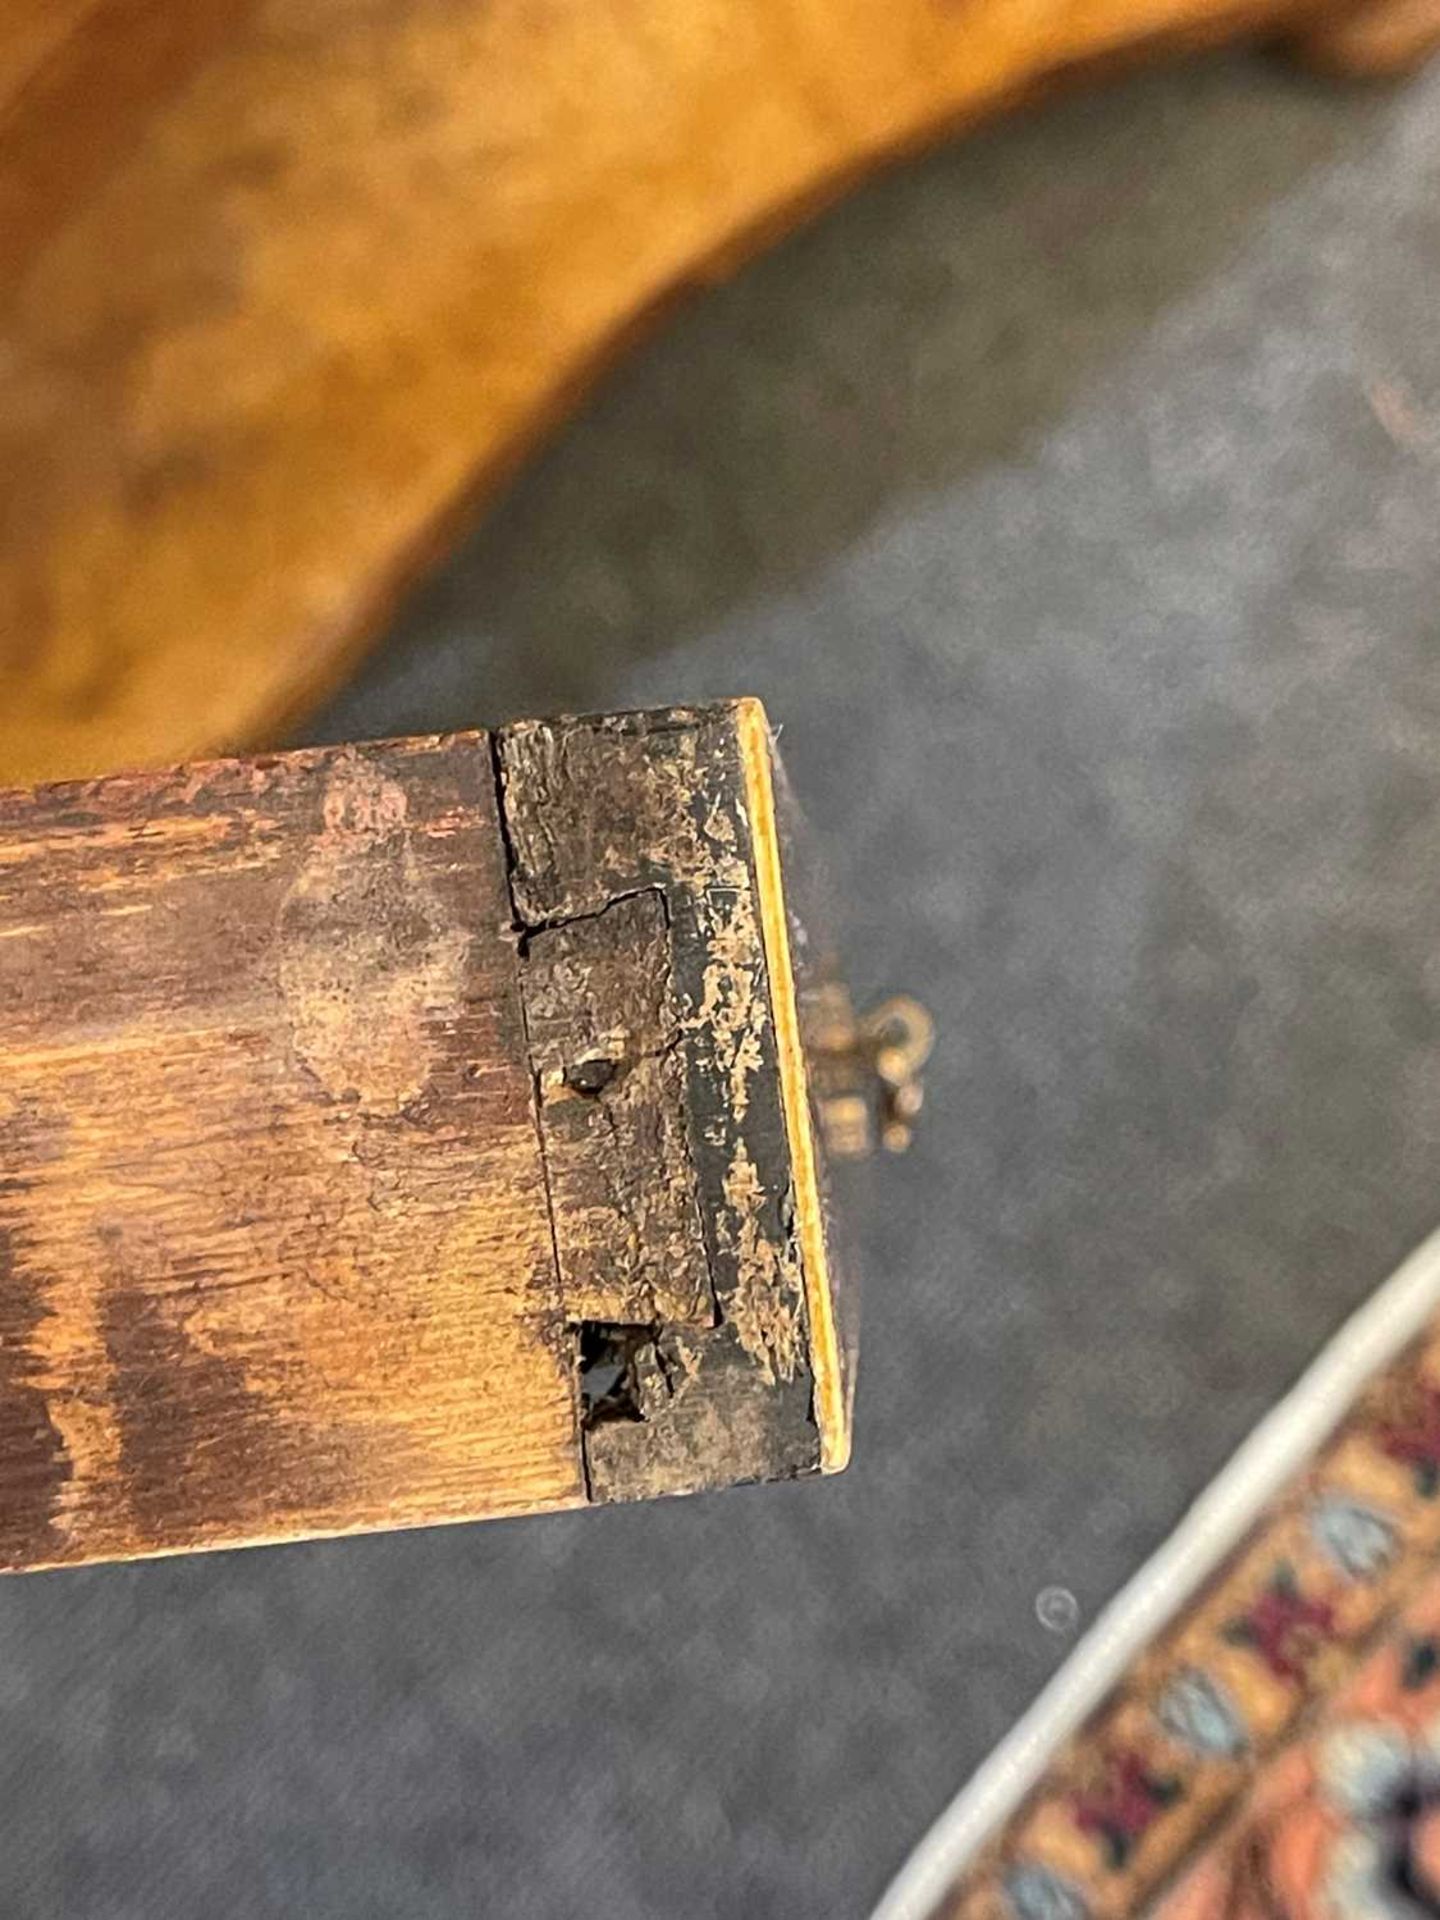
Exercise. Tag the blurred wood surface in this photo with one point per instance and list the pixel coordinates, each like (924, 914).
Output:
(287, 285)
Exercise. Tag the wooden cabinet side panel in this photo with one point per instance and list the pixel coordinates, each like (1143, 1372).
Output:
(275, 1254)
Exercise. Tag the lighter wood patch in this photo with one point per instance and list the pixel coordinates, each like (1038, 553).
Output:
(357, 983)
(765, 1306)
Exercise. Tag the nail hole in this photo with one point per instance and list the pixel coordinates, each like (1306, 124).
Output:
(591, 1076)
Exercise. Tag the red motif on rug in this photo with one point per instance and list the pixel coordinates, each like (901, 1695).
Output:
(1275, 1753)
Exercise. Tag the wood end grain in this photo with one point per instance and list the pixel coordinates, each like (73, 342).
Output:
(632, 843)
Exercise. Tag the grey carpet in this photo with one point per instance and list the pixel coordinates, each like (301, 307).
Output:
(1072, 498)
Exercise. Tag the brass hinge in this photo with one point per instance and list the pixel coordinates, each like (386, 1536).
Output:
(866, 1070)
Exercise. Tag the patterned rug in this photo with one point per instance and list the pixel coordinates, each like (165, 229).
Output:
(1253, 1729)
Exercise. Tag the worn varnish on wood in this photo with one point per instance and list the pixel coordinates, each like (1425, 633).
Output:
(287, 287)
(403, 1133)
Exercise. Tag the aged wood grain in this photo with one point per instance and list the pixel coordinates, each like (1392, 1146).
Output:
(368, 1158)
(601, 816)
(278, 1257)
(606, 1045)
(286, 286)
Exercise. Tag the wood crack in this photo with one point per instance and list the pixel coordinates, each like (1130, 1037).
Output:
(646, 1008)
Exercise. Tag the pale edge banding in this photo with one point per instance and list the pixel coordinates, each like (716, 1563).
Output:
(832, 1410)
